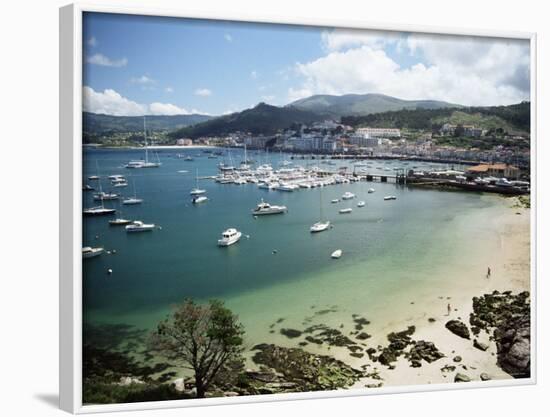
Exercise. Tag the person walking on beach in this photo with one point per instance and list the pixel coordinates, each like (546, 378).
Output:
(488, 272)
(449, 309)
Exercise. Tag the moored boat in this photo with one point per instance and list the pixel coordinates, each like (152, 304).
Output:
(89, 252)
(346, 210)
(265, 208)
(336, 254)
(229, 237)
(139, 226)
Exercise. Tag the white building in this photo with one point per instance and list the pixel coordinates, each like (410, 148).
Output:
(379, 132)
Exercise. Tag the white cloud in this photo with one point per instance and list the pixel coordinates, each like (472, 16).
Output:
(254, 75)
(166, 109)
(100, 59)
(228, 37)
(268, 98)
(203, 92)
(92, 42)
(169, 90)
(110, 102)
(144, 79)
(339, 39)
(463, 70)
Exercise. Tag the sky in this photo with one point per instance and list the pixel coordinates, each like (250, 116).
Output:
(136, 65)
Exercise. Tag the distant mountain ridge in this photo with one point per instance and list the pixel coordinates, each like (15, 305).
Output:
(261, 119)
(362, 104)
(93, 123)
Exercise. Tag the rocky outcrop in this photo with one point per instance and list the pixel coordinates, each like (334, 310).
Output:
(303, 370)
(508, 317)
(458, 328)
(291, 333)
(462, 378)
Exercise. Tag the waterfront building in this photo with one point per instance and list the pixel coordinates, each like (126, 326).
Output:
(494, 170)
(379, 132)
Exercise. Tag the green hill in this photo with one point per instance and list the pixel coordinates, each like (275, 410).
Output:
(515, 118)
(100, 124)
(362, 104)
(263, 118)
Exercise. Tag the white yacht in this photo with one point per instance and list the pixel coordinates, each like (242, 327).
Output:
(119, 221)
(120, 184)
(229, 237)
(132, 201)
(348, 196)
(286, 187)
(265, 208)
(371, 190)
(139, 226)
(94, 178)
(98, 211)
(321, 225)
(197, 190)
(89, 252)
(390, 197)
(361, 204)
(144, 163)
(346, 210)
(336, 200)
(336, 254)
(103, 196)
(199, 199)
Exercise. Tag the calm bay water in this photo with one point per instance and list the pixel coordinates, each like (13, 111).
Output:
(391, 248)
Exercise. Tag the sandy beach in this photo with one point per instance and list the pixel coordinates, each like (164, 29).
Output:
(510, 270)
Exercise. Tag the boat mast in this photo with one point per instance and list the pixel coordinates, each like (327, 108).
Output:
(145, 137)
(320, 203)
(100, 189)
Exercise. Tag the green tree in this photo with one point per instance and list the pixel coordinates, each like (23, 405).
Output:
(204, 338)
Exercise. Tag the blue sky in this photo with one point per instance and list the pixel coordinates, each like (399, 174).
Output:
(153, 65)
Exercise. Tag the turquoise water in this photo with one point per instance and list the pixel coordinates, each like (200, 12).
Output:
(392, 249)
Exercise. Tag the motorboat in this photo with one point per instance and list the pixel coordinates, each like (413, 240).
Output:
(361, 204)
(336, 200)
(87, 187)
(336, 254)
(265, 208)
(346, 210)
(229, 237)
(94, 178)
(199, 199)
(370, 190)
(287, 187)
(120, 184)
(98, 211)
(139, 226)
(89, 252)
(348, 196)
(390, 197)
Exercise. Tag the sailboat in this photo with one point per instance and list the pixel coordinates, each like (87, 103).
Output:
(321, 225)
(119, 221)
(132, 200)
(146, 163)
(197, 190)
(99, 210)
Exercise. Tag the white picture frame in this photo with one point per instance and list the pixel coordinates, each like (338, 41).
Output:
(70, 153)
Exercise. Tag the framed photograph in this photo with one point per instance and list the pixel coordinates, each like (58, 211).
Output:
(257, 210)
